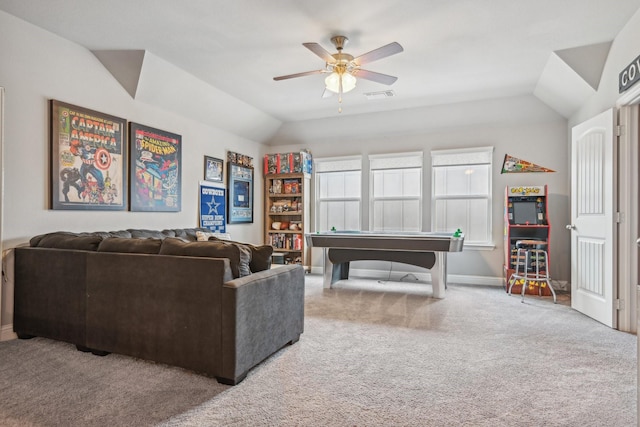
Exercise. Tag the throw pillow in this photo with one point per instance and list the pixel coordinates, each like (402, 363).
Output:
(130, 246)
(245, 260)
(260, 257)
(203, 236)
(212, 249)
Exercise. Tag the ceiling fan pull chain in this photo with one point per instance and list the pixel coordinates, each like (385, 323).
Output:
(340, 95)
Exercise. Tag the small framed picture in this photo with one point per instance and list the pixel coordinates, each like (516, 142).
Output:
(240, 194)
(213, 169)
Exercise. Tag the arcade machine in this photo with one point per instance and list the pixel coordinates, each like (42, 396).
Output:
(525, 219)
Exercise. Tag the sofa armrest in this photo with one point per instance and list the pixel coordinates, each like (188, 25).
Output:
(261, 313)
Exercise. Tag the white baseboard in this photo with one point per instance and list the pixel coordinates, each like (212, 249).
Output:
(425, 277)
(6, 333)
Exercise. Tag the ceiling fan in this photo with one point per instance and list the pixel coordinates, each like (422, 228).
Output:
(343, 68)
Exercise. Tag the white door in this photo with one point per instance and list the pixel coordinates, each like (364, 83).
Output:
(593, 274)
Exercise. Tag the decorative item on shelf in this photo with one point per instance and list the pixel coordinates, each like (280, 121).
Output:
(276, 187)
(295, 226)
(291, 186)
(297, 162)
(276, 225)
(239, 159)
(280, 206)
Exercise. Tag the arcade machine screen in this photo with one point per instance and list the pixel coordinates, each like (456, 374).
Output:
(525, 212)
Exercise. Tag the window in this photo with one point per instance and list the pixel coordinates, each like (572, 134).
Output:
(338, 198)
(396, 192)
(461, 193)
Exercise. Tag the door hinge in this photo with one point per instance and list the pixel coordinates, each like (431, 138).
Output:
(619, 304)
(620, 130)
(619, 217)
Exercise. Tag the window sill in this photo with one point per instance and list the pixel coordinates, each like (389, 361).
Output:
(478, 246)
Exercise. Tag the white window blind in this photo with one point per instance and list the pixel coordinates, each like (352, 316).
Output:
(396, 192)
(338, 193)
(461, 193)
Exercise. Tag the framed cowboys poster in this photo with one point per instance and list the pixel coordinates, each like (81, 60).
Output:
(88, 159)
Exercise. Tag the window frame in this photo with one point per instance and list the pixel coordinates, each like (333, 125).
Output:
(395, 161)
(336, 164)
(465, 157)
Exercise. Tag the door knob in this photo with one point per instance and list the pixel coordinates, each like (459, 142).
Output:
(638, 242)
(573, 227)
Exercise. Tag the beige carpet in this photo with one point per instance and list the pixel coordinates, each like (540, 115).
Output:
(372, 354)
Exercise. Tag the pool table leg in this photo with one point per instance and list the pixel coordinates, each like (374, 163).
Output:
(331, 272)
(327, 270)
(439, 275)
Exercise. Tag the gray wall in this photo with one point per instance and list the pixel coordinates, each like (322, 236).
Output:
(624, 49)
(540, 139)
(37, 66)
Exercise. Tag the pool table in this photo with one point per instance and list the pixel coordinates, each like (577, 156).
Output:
(425, 249)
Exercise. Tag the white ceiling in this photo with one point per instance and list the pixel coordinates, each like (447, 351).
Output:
(454, 51)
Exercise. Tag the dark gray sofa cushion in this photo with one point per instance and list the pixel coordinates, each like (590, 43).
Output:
(124, 245)
(67, 240)
(212, 249)
(146, 234)
(107, 234)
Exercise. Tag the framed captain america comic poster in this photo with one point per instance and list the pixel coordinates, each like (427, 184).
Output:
(88, 159)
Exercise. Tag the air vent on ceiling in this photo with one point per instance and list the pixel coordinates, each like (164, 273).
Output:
(380, 95)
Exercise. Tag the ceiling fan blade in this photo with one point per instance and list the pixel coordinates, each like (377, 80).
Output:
(379, 53)
(306, 73)
(373, 76)
(320, 51)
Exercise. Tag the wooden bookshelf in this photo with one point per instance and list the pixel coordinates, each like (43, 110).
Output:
(286, 219)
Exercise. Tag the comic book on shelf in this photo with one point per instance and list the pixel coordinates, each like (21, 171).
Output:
(296, 162)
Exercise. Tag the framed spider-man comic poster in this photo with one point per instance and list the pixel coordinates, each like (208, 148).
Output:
(88, 159)
(156, 168)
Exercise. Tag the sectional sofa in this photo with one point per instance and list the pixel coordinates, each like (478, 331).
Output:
(212, 306)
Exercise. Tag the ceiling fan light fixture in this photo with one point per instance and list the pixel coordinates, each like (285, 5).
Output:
(332, 82)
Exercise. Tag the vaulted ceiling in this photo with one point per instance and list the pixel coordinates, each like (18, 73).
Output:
(454, 51)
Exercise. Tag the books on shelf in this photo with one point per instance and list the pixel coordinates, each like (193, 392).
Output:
(286, 241)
